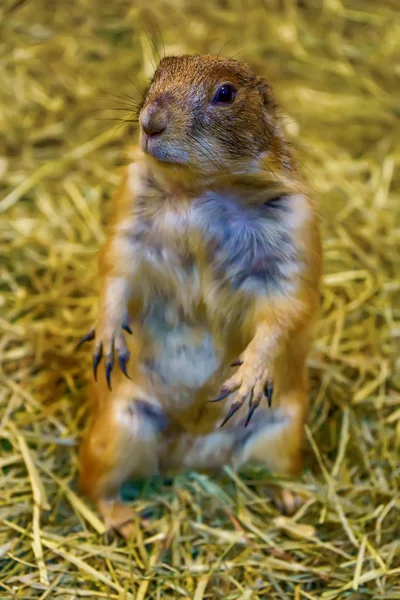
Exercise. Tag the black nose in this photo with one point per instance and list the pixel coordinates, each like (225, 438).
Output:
(153, 121)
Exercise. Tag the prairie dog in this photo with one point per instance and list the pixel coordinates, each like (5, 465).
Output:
(209, 287)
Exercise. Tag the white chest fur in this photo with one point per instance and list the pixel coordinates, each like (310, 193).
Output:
(247, 248)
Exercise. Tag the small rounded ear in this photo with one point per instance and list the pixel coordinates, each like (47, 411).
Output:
(267, 95)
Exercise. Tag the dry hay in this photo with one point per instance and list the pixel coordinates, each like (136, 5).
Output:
(333, 66)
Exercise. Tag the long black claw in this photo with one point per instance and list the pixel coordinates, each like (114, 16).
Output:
(123, 359)
(224, 393)
(86, 338)
(268, 391)
(250, 414)
(109, 367)
(127, 329)
(235, 406)
(96, 360)
(237, 363)
(252, 408)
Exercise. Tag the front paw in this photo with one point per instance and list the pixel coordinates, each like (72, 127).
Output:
(252, 382)
(108, 340)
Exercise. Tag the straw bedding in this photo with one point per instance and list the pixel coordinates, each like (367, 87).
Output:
(333, 67)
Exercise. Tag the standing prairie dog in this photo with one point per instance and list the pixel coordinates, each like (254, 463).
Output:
(212, 267)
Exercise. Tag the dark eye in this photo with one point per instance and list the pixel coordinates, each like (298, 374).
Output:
(225, 93)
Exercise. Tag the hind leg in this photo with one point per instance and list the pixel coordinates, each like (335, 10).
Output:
(277, 439)
(122, 442)
(273, 437)
(276, 443)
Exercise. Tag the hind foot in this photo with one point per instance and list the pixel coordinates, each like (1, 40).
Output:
(286, 501)
(118, 517)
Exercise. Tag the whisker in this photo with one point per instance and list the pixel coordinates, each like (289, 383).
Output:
(124, 98)
(121, 125)
(116, 119)
(153, 64)
(217, 158)
(206, 153)
(153, 46)
(267, 166)
(142, 94)
(210, 154)
(131, 108)
(112, 108)
(159, 31)
(300, 149)
(222, 47)
(236, 54)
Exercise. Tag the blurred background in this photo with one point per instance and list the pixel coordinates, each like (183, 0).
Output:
(68, 71)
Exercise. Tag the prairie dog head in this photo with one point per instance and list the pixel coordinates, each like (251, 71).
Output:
(207, 115)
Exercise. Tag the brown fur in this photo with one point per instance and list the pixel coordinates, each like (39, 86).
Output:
(213, 254)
